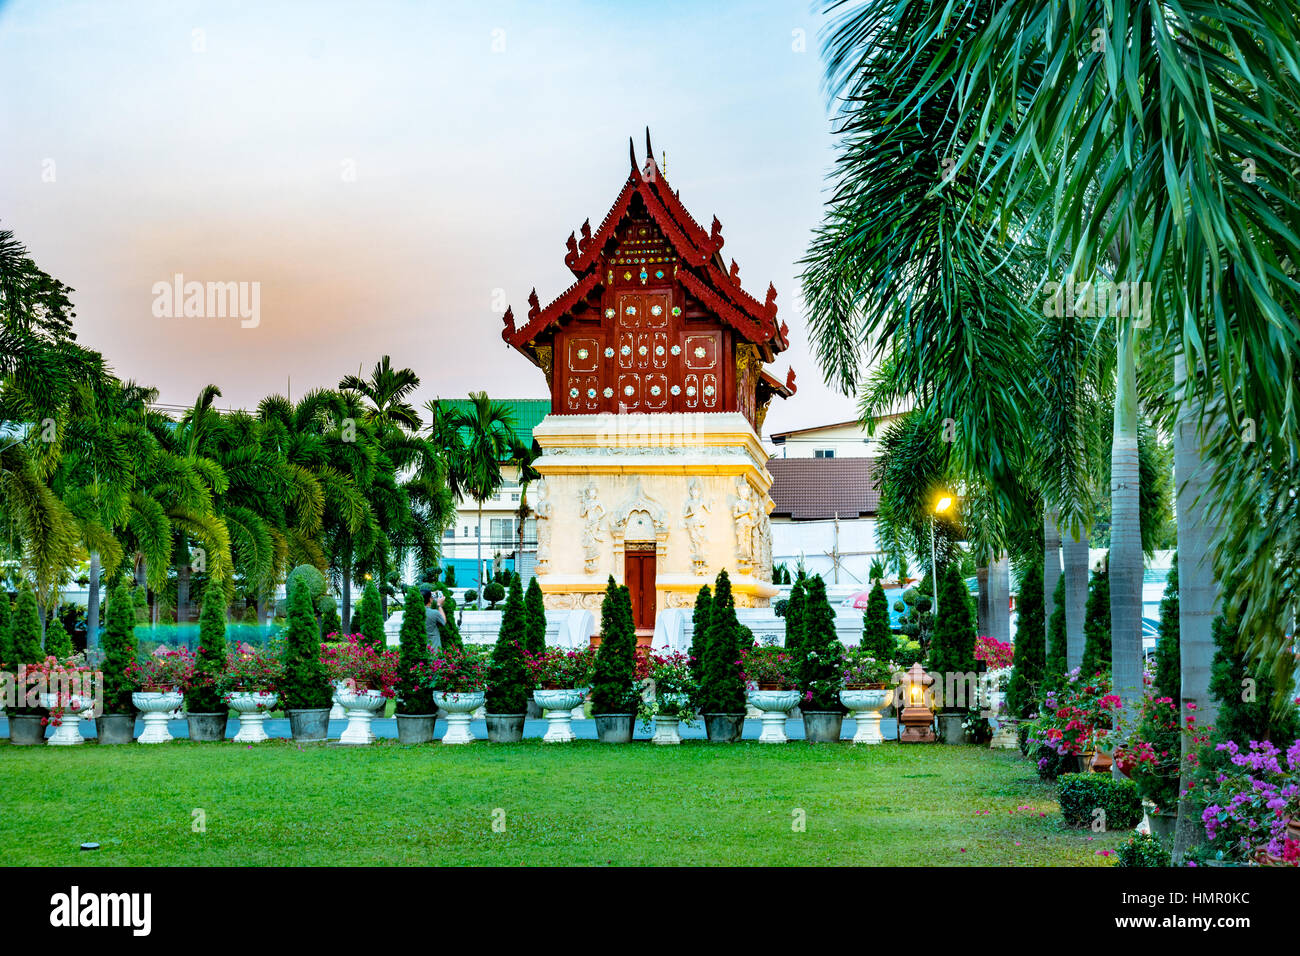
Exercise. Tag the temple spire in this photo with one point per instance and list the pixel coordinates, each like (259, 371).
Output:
(631, 153)
(649, 150)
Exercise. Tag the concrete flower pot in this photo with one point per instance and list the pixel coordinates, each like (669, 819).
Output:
(867, 705)
(111, 729)
(156, 706)
(950, 729)
(207, 728)
(361, 704)
(252, 705)
(822, 726)
(1162, 825)
(666, 732)
(724, 728)
(507, 728)
(68, 732)
(26, 730)
(614, 728)
(558, 705)
(415, 728)
(309, 724)
(773, 707)
(459, 707)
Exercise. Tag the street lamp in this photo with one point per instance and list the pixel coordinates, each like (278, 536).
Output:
(942, 505)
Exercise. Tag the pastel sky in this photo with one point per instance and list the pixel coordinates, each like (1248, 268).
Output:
(392, 173)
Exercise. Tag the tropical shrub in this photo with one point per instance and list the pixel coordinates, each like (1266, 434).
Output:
(767, 664)
(119, 651)
(613, 689)
(1169, 672)
(1080, 717)
(700, 630)
(451, 630)
(413, 698)
(1082, 794)
(559, 669)
(820, 657)
(251, 671)
(722, 688)
(7, 661)
(202, 694)
(794, 616)
(996, 655)
(907, 653)
(508, 678)
(1030, 658)
(69, 681)
(58, 642)
(1153, 752)
(863, 669)
(356, 664)
(1143, 850)
(305, 685)
(535, 608)
(1248, 805)
(454, 671)
(877, 638)
(952, 649)
(330, 622)
(162, 671)
(369, 623)
(674, 687)
(1054, 672)
(1096, 625)
(471, 597)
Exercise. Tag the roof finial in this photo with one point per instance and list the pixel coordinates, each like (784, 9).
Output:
(649, 151)
(631, 153)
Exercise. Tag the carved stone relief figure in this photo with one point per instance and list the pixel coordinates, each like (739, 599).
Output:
(695, 515)
(592, 513)
(745, 513)
(543, 509)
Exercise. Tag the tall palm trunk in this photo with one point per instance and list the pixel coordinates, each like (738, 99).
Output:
(92, 604)
(183, 583)
(982, 606)
(1075, 552)
(1125, 560)
(1000, 599)
(1051, 559)
(1198, 592)
(479, 537)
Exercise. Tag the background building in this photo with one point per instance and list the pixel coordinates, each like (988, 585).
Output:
(824, 515)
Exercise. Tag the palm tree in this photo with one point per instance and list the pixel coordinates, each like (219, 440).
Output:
(386, 391)
(486, 439)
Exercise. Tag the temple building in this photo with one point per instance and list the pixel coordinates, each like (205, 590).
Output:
(652, 468)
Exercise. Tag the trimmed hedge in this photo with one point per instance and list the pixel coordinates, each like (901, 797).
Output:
(509, 684)
(1143, 849)
(119, 651)
(210, 661)
(305, 686)
(613, 683)
(535, 609)
(412, 699)
(1081, 794)
(370, 617)
(722, 689)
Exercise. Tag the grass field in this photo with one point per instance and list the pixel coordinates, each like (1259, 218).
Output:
(576, 804)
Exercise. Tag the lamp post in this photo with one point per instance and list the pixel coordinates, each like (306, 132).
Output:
(942, 505)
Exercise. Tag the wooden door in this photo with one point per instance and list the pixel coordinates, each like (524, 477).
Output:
(639, 573)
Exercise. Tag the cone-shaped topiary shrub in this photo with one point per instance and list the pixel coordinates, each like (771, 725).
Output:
(952, 649)
(1169, 670)
(722, 688)
(820, 658)
(700, 631)
(330, 622)
(1096, 625)
(27, 635)
(7, 662)
(877, 638)
(412, 699)
(305, 686)
(1031, 644)
(203, 696)
(370, 617)
(451, 630)
(509, 683)
(58, 642)
(613, 684)
(1054, 673)
(119, 651)
(535, 606)
(794, 617)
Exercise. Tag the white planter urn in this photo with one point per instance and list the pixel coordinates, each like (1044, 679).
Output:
(665, 726)
(156, 706)
(558, 706)
(460, 708)
(68, 733)
(773, 707)
(360, 705)
(1005, 727)
(336, 711)
(252, 705)
(867, 706)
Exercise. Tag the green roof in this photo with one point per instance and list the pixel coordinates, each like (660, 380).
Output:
(527, 413)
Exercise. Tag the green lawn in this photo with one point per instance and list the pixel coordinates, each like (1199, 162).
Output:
(573, 804)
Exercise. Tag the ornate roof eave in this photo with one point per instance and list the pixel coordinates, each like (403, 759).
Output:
(539, 319)
(747, 327)
(785, 389)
